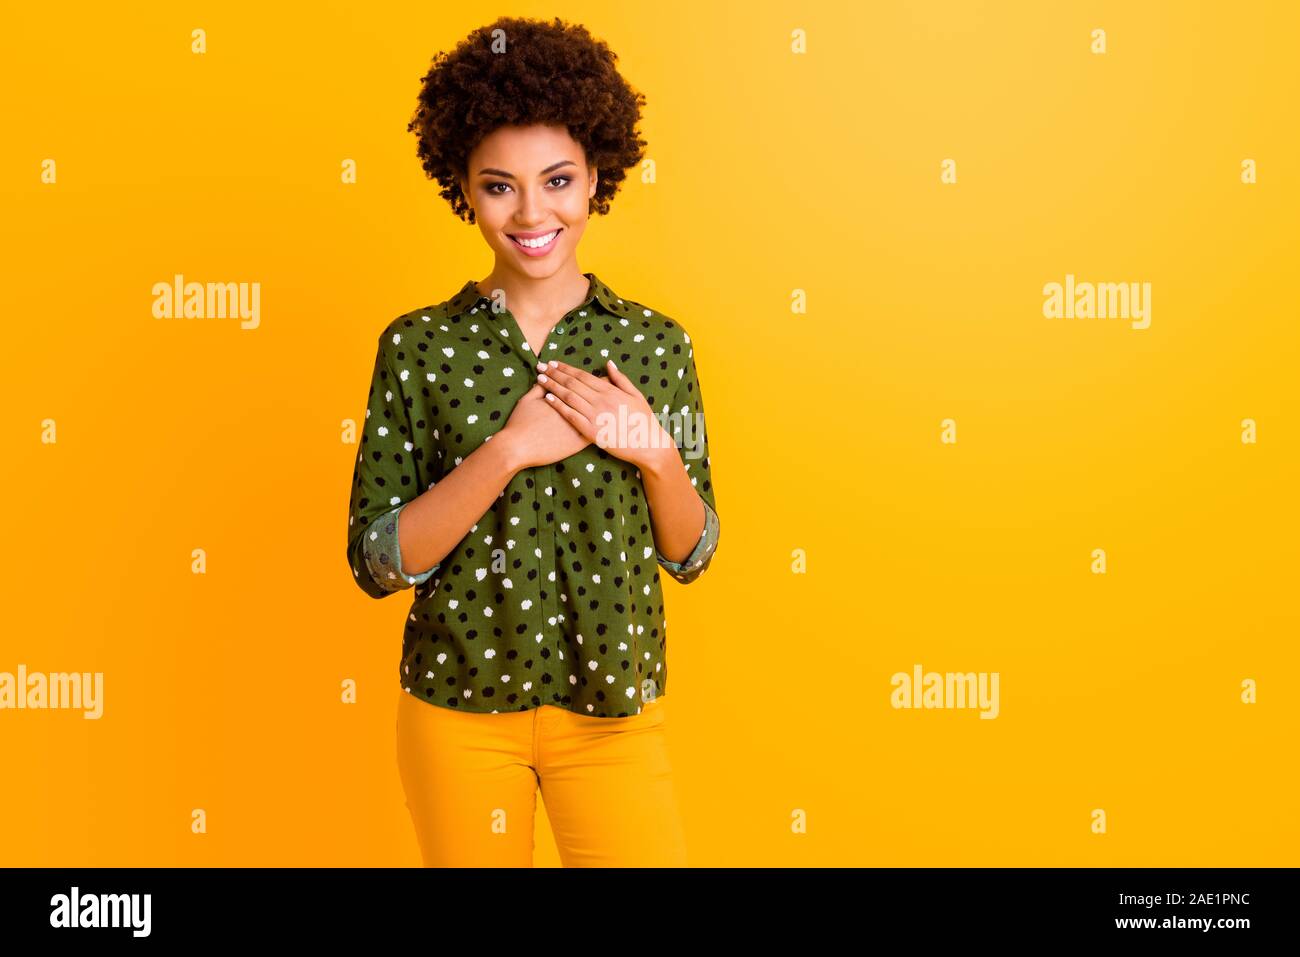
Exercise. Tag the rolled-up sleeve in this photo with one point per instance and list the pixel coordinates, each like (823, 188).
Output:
(385, 478)
(686, 424)
(381, 547)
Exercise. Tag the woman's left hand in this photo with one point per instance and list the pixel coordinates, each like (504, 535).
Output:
(611, 412)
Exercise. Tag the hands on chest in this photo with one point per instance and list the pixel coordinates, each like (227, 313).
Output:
(568, 409)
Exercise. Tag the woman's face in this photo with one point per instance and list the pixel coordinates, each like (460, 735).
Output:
(530, 183)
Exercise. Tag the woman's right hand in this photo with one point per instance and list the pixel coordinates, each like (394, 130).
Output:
(538, 432)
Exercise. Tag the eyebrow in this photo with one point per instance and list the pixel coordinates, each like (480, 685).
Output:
(491, 171)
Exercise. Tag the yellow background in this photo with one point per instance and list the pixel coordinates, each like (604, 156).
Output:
(775, 172)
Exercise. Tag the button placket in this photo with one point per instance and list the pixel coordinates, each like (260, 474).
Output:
(544, 477)
(549, 566)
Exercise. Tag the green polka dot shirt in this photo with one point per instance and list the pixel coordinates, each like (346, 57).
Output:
(554, 596)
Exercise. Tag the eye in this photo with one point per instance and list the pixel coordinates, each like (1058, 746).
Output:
(567, 180)
(491, 187)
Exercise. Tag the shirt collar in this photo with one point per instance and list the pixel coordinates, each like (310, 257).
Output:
(469, 297)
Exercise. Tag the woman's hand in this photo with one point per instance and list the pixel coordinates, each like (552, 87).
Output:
(611, 412)
(538, 434)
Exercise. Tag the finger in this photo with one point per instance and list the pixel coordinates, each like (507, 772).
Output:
(581, 383)
(617, 377)
(571, 396)
(579, 379)
(575, 418)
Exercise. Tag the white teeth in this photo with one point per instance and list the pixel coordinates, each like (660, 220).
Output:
(537, 243)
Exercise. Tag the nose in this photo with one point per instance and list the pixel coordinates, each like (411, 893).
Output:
(531, 209)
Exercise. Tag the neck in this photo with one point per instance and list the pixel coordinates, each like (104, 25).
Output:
(538, 300)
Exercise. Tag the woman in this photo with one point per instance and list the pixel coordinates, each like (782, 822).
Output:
(533, 454)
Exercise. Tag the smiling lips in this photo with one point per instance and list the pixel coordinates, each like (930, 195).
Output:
(535, 243)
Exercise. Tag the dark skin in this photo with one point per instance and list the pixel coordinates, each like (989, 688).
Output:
(545, 430)
(594, 406)
(547, 183)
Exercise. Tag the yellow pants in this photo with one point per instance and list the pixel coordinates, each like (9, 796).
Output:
(471, 782)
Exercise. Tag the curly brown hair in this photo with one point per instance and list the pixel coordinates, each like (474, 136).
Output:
(518, 71)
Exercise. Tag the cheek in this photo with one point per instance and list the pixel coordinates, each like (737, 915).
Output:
(575, 211)
(487, 216)
(492, 232)
(575, 222)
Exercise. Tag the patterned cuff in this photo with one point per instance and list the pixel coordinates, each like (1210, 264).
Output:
(383, 553)
(698, 560)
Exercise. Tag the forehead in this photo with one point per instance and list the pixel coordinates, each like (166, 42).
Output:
(525, 149)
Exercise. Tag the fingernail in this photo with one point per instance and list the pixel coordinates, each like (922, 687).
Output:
(611, 364)
(542, 378)
(541, 365)
(554, 363)
(550, 397)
